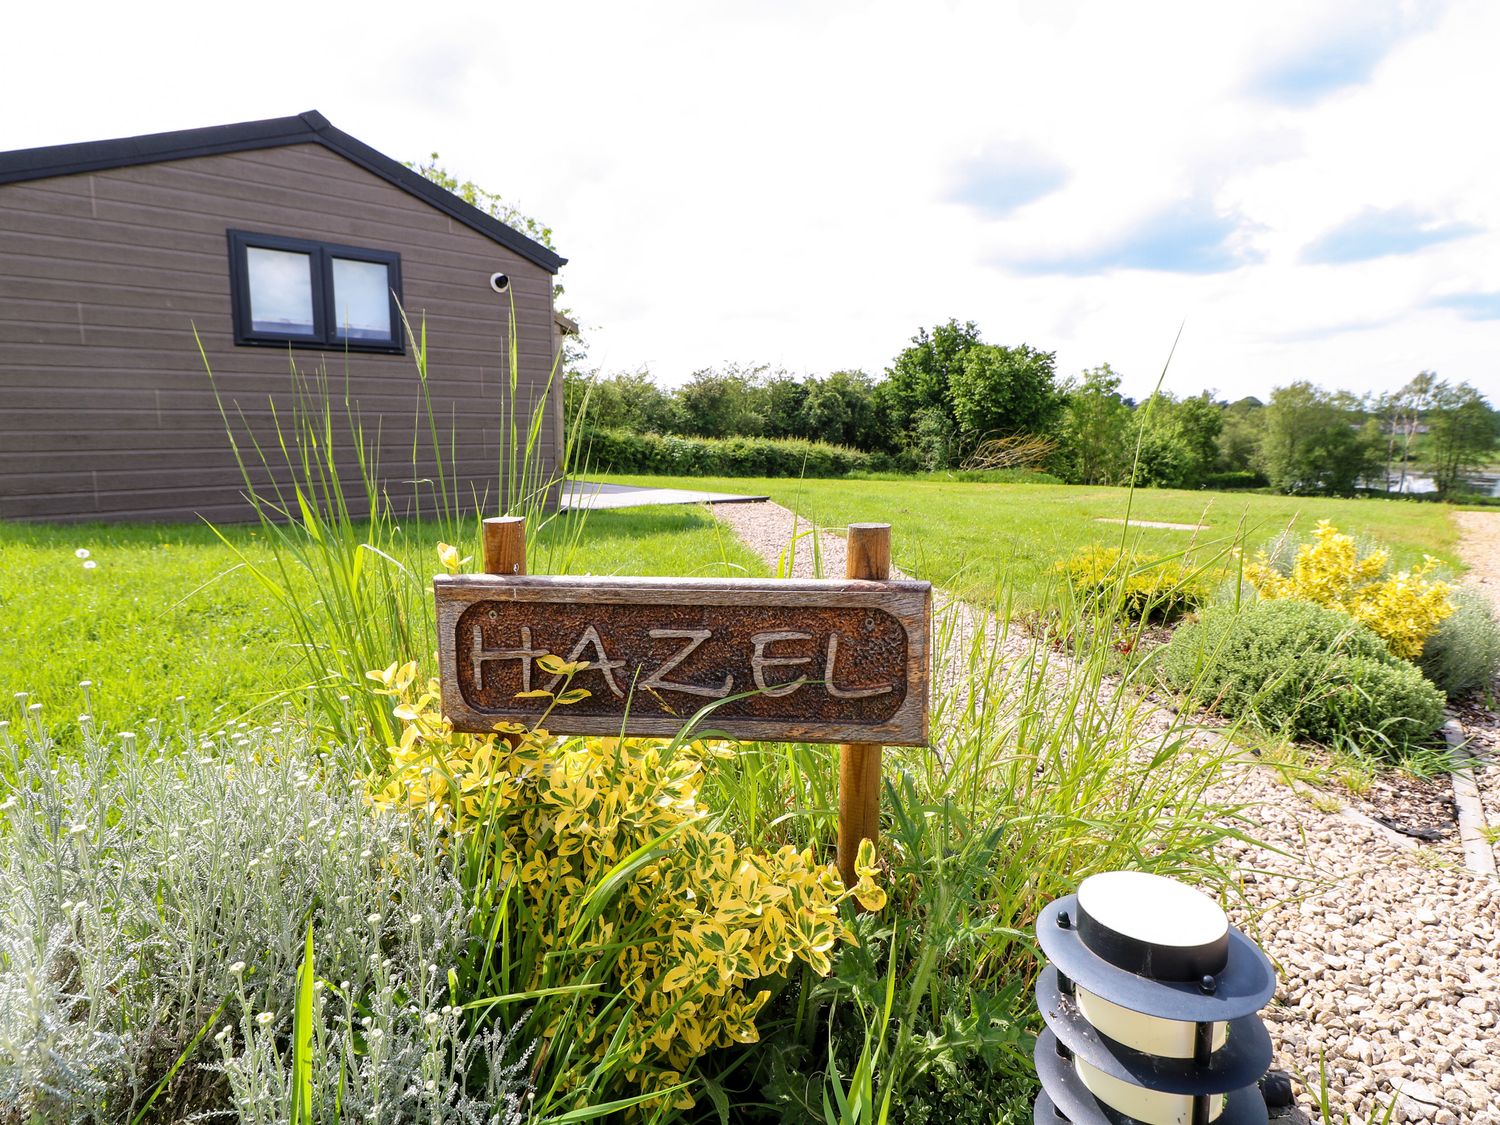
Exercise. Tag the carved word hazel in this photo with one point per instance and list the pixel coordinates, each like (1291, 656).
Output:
(760, 661)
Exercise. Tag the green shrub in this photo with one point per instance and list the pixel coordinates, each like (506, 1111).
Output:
(1463, 656)
(1142, 587)
(622, 451)
(1295, 668)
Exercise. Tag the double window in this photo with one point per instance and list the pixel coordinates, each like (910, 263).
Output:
(314, 294)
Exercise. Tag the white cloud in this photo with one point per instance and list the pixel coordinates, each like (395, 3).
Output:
(777, 182)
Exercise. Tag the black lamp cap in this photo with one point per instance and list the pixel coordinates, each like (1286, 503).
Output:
(1243, 987)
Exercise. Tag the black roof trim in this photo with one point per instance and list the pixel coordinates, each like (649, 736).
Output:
(310, 127)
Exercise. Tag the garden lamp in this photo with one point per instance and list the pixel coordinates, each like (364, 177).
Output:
(1150, 998)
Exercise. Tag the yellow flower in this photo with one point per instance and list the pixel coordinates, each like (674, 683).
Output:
(448, 556)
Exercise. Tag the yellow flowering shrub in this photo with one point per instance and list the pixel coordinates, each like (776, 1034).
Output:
(691, 931)
(1403, 609)
(1146, 588)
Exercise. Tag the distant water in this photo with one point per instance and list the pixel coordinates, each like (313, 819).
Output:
(1416, 484)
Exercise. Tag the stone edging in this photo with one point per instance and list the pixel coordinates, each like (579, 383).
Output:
(1479, 856)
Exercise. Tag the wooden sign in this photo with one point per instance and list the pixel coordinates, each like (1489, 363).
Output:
(809, 661)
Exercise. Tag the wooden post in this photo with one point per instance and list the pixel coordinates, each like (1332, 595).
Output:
(505, 545)
(859, 762)
(505, 553)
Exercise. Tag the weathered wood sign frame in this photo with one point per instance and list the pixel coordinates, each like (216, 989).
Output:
(808, 661)
(802, 661)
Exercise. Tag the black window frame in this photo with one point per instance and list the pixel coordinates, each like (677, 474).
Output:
(325, 336)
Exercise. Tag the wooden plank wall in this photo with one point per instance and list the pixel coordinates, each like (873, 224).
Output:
(106, 410)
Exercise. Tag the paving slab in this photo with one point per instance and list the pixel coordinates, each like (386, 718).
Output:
(597, 494)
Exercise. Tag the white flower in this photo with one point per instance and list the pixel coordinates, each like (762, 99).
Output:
(265, 1018)
(82, 553)
(237, 968)
(89, 564)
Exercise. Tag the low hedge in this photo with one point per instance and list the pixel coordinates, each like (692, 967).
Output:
(624, 451)
(1296, 668)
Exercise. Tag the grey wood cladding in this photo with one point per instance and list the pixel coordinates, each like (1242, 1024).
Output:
(811, 661)
(106, 411)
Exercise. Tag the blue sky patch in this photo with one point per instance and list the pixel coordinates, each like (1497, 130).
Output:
(1470, 306)
(1339, 58)
(1006, 178)
(1377, 234)
(1192, 238)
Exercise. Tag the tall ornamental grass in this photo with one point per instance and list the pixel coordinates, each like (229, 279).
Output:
(1044, 769)
(352, 548)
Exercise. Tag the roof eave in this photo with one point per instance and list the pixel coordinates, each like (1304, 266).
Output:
(216, 140)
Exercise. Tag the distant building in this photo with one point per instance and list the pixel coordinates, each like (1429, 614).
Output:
(278, 240)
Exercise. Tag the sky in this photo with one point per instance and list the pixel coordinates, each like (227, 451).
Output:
(1308, 190)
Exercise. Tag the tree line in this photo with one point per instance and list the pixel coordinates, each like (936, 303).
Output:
(950, 400)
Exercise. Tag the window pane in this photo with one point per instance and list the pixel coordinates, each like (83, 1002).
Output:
(280, 291)
(361, 300)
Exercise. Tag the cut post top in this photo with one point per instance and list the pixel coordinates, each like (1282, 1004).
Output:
(505, 545)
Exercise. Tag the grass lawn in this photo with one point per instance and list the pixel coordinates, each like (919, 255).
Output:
(981, 539)
(167, 610)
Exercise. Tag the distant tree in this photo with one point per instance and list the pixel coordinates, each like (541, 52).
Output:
(627, 401)
(1177, 440)
(998, 391)
(862, 424)
(782, 397)
(1312, 443)
(1157, 458)
(1239, 436)
(1402, 415)
(917, 384)
(1092, 433)
(491, 204)
(723, 402)
(933, 441)
(1461, 434)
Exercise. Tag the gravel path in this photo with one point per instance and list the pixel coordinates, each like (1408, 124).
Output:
(1389, 955)
(1479, 547)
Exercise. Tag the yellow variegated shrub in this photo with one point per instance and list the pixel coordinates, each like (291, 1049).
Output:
(1403, 609)
(691, 931)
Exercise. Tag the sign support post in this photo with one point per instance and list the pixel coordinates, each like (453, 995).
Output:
(505, 545)
(869, 557)
(789, 660)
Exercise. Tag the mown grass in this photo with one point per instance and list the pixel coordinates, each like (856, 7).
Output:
(169, 610)
(978, 539)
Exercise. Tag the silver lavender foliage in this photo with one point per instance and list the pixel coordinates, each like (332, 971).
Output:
(157, 893)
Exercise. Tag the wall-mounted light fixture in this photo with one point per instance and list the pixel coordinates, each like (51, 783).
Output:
(1150, 999)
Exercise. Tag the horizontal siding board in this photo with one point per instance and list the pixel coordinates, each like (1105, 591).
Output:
(208, 436)
(97, 481)
(225, 497)
(104, 275)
